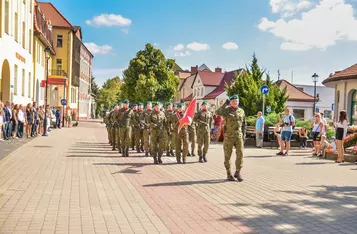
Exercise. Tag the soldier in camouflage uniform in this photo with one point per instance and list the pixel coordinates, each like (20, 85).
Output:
(113, 119)
(157, 120)
(144, 122)
(182, 137)
(203, 118)
(139, 129)
(234, 134)
(117, 129)
(106, 122)
(168, 131)
(125, 121)
(133, 132)
(192, 137)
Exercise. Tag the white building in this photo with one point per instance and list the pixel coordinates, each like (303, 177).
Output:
(325, 98)
(84, 83)
(16, 42)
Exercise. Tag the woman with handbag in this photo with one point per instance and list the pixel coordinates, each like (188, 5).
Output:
(341, 132)
(317, 132)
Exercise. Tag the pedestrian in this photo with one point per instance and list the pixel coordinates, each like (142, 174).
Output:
(1, 121)
(29, 120)
(341, 132)
(259, 129)
(68, 117)
(317, 133)
(277, 131)
(181, 137)
(15, 125)
(20, 121)
(125, 119)
(58, 118)
(203, 118)
(235, 123)
(303, 137)
(7, 120)
(41, 115)
(157, 120)
(34, 131)
(287, 131)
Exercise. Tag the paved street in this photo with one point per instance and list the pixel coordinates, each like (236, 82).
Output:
(71, 182)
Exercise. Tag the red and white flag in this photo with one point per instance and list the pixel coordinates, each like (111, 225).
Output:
(189, 114)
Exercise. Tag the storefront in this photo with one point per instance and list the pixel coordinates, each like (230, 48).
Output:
(345, 84)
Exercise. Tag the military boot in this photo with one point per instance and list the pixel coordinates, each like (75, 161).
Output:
(123, 153)
(204, 158)
(188, 154)
(146, 154)
(119, 150)
(127, 152)
(168, 154)
(238, 176)
(178, 159)
(159, 159)
(142, 149)
(184, 160)
(133, 147)
(200, 159)
(138, 150)
(172, 153)
(229, 176)
(155, 160)
(113, 148)
(193, 153)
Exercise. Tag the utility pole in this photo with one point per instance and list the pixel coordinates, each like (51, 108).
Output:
(278, 75)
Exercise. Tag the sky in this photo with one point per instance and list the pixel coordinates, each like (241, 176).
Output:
(295, 37)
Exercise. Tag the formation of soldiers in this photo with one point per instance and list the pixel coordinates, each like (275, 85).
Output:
(153, 130)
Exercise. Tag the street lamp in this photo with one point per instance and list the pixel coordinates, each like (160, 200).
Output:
(315, 79)
(47, 56)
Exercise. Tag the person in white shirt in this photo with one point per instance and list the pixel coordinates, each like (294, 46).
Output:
(21, 121)
(341, 132)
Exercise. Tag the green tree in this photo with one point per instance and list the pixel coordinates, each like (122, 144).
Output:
(94, 87)
(108, 95)
(247, 84)
(150, 76)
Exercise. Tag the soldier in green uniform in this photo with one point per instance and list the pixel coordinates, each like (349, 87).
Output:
(117, 129)
(168, 131)
(106, 122)
(125, 120)
(192, 137)
(144, 122)
(114, 128)
(234, 134)
(139, 129)
(157, 120)
(203, 118)
(133, 132)
(182, 137)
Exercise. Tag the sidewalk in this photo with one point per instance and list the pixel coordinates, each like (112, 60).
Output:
(71, 182)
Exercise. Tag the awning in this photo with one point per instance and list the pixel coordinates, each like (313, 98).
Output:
(54, 81)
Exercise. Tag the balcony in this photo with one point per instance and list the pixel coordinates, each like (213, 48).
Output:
(55, 72)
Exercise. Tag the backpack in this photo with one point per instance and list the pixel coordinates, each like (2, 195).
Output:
(291, 122)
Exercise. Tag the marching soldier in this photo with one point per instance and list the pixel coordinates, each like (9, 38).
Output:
(234, 134)
(168, 131)
(182, 137)
(192, 137)
(146, 134)
(139, 129)
(113, 119)
(157, 120)
(117, 129)
(133, 132)
(125, 121)
(106, 122)
(204, 120)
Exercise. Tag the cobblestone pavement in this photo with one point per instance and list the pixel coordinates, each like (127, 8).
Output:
(71, 182)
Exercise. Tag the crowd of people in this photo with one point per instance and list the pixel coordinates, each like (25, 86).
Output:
(25, 121)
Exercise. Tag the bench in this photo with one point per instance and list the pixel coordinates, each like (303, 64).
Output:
(271, 137)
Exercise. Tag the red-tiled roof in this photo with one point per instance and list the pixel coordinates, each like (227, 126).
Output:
(227, 79)
(348, 73)
(210, 78)
(294, 93)
(51, 12)
(188, 98)
(183, 74)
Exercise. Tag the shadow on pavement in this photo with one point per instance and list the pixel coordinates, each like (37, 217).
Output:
(183, 183)
(313, 163)
(325, 209)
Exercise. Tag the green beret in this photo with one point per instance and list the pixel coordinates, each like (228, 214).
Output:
(135, 105)
(140, 104)
(175, 105)
(169, 103)
(120, 103)
(180, 105)
(148, 103)
(234, 97)
(204, 103)
(126, 101)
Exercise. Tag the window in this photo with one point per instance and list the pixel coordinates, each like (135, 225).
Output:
(23, 34)
(29, 85)
(15, 80)
(23, 83)
(16, 27)
(201, 92)
(31, 6)
(328, 114)
(7, 16)
(73, 95)
(59, 41)
(58, 65)
(299, 113)
(30, 41)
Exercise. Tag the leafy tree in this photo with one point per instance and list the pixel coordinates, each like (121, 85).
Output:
(247, 84)
(109, 93)
(94, 86)
(150, 76)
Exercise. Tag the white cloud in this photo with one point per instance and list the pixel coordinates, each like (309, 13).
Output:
(195, 46)
(303, 5)
(109, 20)
(182, 54)
(96, 49)
(179, 47)
(125, 30)
(102, 74)
(288, 8)
(230, 46)
(328, 22)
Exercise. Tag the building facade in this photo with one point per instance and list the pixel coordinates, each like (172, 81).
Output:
(16, 46)
(344, 84)
(84, 95)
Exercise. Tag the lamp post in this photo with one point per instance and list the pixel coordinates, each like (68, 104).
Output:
(315, 78)
(64, 96)
(47, 55)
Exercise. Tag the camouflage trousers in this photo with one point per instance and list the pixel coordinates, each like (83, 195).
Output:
(109, 130)
(114, 138)
(181, 141)
(125, 137)
(118, 138)
(168, 138)
(146, 140)
(157, 143)
(192, 138)
(203, 140)
(139, 138)
(133, 138)
(228, 144)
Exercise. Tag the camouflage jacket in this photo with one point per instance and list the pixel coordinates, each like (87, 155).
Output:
(203, 119)
(110, 121)
(125, 117)
(169, 124)
(234, 120)
(157, 121)
(143, 119)
(176, 117)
